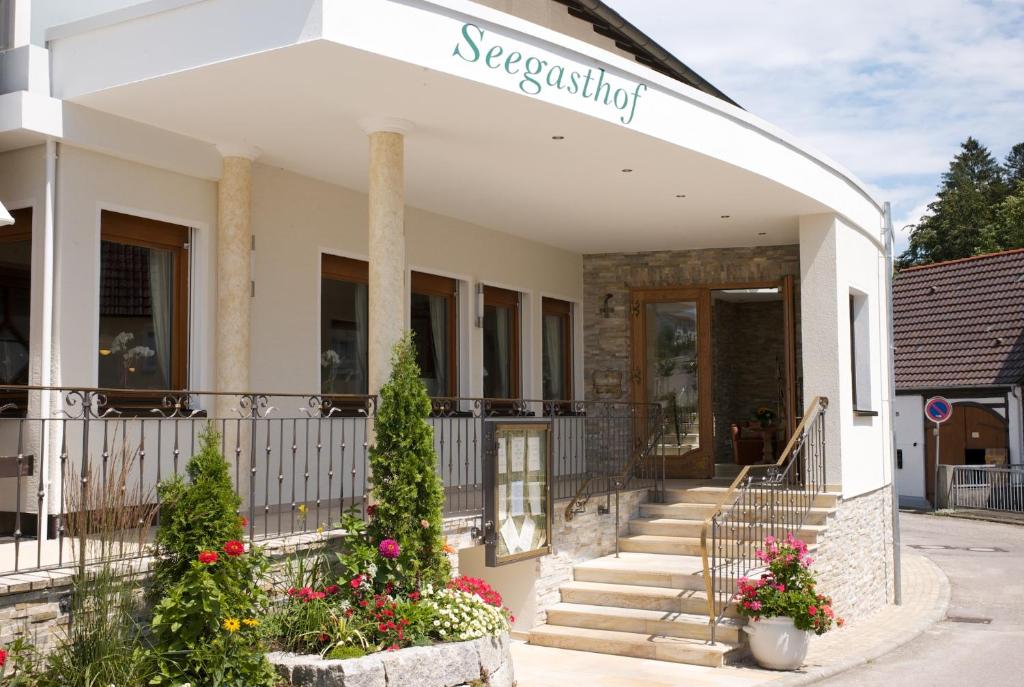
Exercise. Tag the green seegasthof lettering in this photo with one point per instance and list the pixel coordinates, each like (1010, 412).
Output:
(534, 74)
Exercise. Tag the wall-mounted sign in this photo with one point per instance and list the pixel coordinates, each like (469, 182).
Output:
(516, 471)
(535, 74)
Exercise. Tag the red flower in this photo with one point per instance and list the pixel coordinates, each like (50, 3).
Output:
(331, 589)
(364, 603)
(234, 548)
(812, 610)
(414, 596)
(208, 557)
(371, 511)
(3, 658)
(356, 581)
(244, 521)
(323, 637)
(292, 591)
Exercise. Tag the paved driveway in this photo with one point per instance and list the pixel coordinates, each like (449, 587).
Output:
(985, 585)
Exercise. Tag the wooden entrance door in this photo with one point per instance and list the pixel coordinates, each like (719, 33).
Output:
(972, 429)
(671, 359)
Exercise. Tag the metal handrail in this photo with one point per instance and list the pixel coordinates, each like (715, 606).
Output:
(644, 447)
(817, 407)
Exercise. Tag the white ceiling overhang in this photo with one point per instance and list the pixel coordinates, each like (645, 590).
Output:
(295, 78)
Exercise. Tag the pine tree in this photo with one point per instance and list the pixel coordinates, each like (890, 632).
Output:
(1014, 166)
(406, 487)
(960, 220)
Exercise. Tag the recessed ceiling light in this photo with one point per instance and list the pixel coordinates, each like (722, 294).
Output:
(626, 171)
(558, 138)
(725, 216)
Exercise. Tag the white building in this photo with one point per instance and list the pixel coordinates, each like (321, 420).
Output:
(262, 195)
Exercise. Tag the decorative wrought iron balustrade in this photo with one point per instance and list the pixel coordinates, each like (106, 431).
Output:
(297, 461)
(772, 499)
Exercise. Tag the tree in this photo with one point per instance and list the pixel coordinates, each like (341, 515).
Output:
(961, 221)
(406, 488)
(1014, 166)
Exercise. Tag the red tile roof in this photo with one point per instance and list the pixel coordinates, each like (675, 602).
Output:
(960, 323)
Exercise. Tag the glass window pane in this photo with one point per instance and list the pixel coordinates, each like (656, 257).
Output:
(429, 321)
(136, 316)
(671, 357)
(15, 303)
(554, 357)
(498, 365)
(343, 337)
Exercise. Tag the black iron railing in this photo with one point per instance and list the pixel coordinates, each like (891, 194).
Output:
(772, 499)
(297, 461)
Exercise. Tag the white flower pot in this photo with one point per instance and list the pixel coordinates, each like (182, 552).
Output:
(777, 644)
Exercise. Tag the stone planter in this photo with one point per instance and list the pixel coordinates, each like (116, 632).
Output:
(776, 643)
(441, 665)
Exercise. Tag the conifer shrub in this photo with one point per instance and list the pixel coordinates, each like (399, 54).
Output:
(208, 600)
(405, 526)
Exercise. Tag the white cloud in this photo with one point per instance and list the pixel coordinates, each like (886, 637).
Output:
(887, 89)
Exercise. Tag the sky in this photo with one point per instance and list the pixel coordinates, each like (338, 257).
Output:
(886, 88)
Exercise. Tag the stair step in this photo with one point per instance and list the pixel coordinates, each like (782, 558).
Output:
(714, 495)
(645, 569)
(672, 527)
(637, 645)
(643, 621)
(694, 601)
(700, 511)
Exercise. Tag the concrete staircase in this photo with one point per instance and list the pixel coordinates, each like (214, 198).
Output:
(651, 602)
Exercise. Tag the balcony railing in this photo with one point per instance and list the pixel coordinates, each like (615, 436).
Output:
(297, 461)
(982, 487)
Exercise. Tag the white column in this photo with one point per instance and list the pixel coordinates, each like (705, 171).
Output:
(234, 275)
(387, 288)
(820, 329)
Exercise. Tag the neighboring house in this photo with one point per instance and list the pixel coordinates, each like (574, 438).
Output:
(230, 209)
(959, 333)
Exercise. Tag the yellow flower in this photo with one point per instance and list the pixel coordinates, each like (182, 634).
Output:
(232, 624)
(320, 530)
(251, 622)
(302, 508)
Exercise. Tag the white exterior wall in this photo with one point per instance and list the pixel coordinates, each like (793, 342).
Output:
(296, 218)
(88, 183)
(1015, 413)
(910, 480)
(835, 258)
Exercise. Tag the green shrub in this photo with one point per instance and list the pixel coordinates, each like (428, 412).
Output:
(407, 491)
(209, 604)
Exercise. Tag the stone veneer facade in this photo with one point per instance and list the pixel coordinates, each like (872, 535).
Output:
(854, 558)
(606, 349)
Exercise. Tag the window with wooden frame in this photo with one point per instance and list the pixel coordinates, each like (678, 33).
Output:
(144, 304)
(344, 325)
(556, 367)
(15, 309)
(434, 322)
(501, 343)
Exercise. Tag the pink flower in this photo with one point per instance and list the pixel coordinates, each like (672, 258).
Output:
(769, 540)
(755, 605)
(808, 561)
(812, 610)
(389, 548)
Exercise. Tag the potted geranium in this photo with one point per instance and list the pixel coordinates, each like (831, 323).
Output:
(783, 606)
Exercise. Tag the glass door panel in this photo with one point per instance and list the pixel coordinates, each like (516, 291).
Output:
(671, 360)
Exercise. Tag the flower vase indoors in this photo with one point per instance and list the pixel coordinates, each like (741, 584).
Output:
(783, 606)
